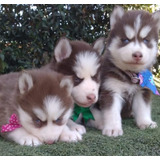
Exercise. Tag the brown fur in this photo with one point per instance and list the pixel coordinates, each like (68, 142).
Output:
(44, 83)
(66, 66)
(129, 19)
(8, 93)
(109, 69)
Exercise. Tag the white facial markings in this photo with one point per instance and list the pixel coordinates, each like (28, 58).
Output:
(52, 110)
(145, 31)
(54, 107)
(85, 88)
(50, 132)
(40, 114)
(86, 64)
(122, 56)
(132, 32)
(136, 46)
(47, 133)
(129, 31)
(67, 115)
(137, 23)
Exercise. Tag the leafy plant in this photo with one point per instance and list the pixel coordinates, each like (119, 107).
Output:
(28, 33)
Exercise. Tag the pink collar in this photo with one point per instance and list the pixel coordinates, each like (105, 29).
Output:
(12, 125)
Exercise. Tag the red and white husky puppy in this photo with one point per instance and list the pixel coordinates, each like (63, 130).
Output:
(82, 61)
(130, 51)
(35, 106)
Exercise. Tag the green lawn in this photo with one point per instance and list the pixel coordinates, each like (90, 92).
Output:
(133, 142)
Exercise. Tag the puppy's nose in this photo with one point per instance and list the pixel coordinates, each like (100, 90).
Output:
(137, 56)
(49, 141)
(91, 97)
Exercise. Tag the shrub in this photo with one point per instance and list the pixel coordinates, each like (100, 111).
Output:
(28, 33)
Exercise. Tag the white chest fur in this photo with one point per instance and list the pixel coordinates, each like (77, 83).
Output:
(120, 87)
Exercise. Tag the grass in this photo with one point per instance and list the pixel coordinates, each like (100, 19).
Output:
(134, 142)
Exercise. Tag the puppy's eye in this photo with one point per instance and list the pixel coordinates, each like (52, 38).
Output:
(38, 123)
(77, 80)
(58, 121)
(95, 78)
(146, 41)
(125, 41)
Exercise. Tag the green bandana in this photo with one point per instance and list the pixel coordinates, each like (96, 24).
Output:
(86, 113)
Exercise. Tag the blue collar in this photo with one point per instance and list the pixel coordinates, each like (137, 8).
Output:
(144, 79)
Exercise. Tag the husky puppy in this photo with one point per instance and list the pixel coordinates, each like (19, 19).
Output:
(131, 48)
(35, 107)
(82, 62)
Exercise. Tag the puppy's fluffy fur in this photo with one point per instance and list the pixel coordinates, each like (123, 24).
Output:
(81, 61)
(42, 101)
(131, 46)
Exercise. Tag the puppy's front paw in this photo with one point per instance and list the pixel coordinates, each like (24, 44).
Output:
(79, 128)
(29, 141)
(112, 132)
(150, 124)
(68, 135)
(22, 137)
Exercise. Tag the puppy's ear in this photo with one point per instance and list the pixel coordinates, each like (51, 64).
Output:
(99, 45)
(62, 50)
(67, 82)
(156, 17)
(117, 13)
(25, 82)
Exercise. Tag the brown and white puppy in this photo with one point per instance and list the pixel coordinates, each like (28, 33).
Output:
(42, 104)
(131, 46)
(82, 61)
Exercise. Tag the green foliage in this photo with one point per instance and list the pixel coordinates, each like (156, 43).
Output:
(146, 7)
(28, 33)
